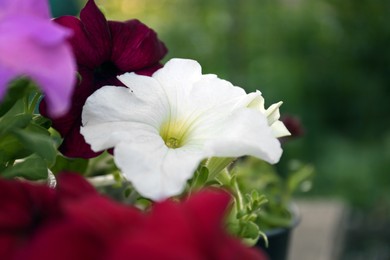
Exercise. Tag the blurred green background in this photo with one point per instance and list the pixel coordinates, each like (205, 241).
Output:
(328, 60)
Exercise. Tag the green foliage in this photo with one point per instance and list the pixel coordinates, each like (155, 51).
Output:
(261, 177)
(64, 164)
(200, 178)
(26, 147)
(244, 223)
(31, 168)
(18, 89)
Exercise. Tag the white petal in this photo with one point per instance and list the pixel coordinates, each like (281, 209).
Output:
(103, 136)
(246, 132)
(254, 100)
(156, 171)
(179, 71)
(272, 112)
(213, 92)
(177, 78)
(114, 113)
(279, 129)
(113, 104)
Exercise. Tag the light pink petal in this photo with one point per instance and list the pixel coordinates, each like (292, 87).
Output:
(40, 51)
(5, 76)
(39, 8)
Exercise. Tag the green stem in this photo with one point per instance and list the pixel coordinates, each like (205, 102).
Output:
(239, 197)
(226, 179)
(33, 103)
(216, 165)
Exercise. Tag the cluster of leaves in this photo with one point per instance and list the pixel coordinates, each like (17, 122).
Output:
(27, 148)
(253, 174)
(28, 144)
(262, 197)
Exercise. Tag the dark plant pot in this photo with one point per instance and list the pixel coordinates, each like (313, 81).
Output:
(279, 239)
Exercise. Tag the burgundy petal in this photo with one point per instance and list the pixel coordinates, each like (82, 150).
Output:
(149, 70)
(135, 46)
(98, 32)
(83, 48)
(294, 125)
(74, 145)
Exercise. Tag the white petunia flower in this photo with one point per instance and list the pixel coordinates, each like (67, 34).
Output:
(162, 127)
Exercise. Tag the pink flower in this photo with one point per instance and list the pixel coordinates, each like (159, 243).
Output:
(75, 222)
(34, 46)
(103, 49)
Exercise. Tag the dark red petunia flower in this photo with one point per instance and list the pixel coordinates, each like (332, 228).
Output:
(37, 222)
(294, 126)
(103, 50)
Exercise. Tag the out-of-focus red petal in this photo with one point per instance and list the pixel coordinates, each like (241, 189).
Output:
(105, 218)
(14, 212)
(98, 31)
(72, 186)
(63, 241)
(135, 46)
(208, 208)
(228, 248)
(8, 244)
(20, 201)
(167, 233)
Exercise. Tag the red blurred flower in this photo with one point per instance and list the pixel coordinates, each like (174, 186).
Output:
(294, 126)
(103, 50)
(26, 209)
(190, 230)
(74, 222)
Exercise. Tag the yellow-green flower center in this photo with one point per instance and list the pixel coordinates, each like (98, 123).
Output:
(174, 133)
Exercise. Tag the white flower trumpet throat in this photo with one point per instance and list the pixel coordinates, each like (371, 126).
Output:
(162, 127)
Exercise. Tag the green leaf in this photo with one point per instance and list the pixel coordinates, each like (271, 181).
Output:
(295, 179)
(201, 176)
(8, 124)
(249, 232)
(12, 149)
(274, 219)
(38, 143)
(32, 168)
(214, 183)
(69, 164)
(16, 90)
(42, 121)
